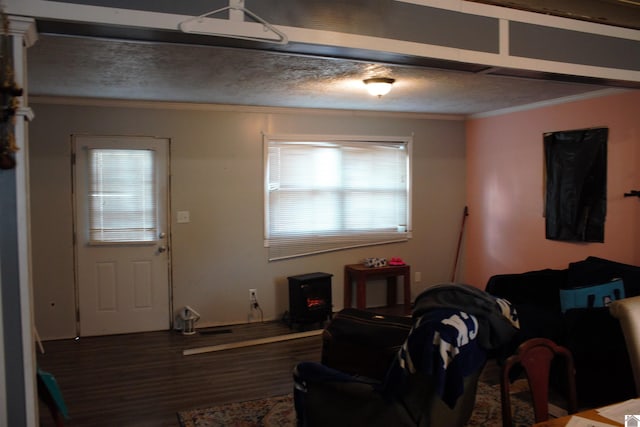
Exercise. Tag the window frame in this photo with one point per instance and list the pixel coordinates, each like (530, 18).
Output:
(407, 141)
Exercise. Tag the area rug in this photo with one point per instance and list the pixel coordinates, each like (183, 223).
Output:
(278, 411)
(488, 409)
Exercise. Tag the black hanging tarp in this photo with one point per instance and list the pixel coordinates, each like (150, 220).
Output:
(576, 190)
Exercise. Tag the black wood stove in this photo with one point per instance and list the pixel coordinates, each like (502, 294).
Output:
(309, 298)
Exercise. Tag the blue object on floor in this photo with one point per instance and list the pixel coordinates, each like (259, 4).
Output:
(53, 391)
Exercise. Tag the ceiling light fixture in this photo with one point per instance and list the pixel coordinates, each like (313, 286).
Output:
(379, 86)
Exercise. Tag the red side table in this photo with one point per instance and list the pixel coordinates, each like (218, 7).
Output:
(360, 274)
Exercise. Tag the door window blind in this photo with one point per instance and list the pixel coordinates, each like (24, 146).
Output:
(327, 194)
(122, 196)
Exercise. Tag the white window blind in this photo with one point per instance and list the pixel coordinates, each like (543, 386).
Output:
(330, 193)
(122, 197)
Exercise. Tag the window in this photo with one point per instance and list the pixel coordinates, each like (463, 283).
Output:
(122, 197)
(328, 193)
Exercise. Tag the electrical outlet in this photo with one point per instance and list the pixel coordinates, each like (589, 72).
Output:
(253, 295)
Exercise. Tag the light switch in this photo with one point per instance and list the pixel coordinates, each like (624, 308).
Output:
(183, 217)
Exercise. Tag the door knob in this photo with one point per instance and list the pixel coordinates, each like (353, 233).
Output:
(162, 249)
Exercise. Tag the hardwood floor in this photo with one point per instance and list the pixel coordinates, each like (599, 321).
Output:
(144, 379)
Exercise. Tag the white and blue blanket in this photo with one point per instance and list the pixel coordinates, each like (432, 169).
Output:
(442, 345)
(455, 326)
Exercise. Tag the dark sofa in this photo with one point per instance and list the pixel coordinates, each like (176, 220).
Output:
(603, 370)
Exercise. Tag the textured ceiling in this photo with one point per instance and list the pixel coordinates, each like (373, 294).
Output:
(116, 69)
(151, 70)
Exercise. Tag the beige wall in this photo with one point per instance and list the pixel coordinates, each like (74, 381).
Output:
(505, 187)
(216, 166)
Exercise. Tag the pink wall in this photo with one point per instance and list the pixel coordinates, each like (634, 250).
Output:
(505, 187)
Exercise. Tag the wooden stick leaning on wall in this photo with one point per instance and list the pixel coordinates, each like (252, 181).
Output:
(465, 214)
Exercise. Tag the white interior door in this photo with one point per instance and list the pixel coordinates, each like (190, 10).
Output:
(121, 243)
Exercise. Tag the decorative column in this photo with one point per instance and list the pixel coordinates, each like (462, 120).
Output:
(18, 388)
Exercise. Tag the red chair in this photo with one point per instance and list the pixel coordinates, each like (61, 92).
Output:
(535, 357)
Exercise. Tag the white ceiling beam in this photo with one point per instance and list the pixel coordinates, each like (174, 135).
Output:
(163, 21)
